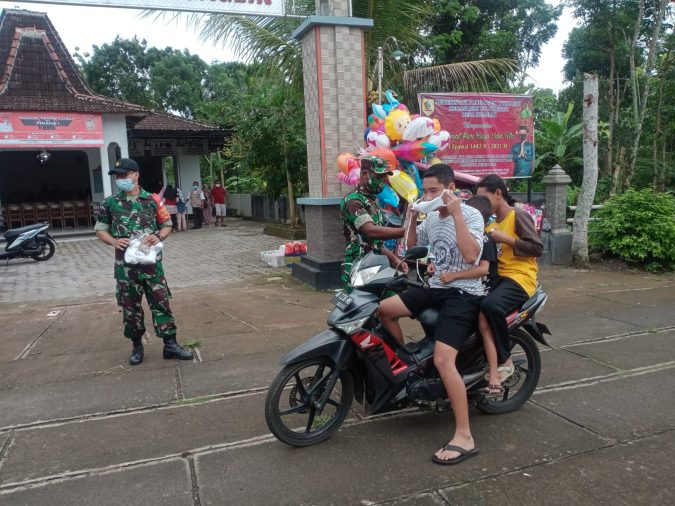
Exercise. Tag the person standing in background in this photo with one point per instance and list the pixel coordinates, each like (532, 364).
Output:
(197, 202)
(207, 204)
(221, 198)
(181, 209)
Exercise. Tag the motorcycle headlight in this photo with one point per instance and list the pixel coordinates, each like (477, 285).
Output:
(363, 276)
(352, 326)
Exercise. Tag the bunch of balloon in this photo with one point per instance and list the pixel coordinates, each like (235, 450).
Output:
(409, 143)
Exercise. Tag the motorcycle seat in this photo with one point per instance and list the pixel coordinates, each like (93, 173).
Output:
(15, 232)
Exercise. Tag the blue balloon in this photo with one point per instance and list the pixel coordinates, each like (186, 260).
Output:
(388, 197)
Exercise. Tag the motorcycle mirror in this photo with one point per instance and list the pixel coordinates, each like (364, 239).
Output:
(416, 253)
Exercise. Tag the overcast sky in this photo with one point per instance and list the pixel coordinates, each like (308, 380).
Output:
(86, 26)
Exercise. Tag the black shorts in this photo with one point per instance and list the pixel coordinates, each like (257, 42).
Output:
(457, 312)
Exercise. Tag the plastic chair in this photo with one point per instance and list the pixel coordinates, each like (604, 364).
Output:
(28, 214)
(55, 214)
(68, 209)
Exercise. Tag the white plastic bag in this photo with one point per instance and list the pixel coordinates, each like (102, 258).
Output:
(139, 253)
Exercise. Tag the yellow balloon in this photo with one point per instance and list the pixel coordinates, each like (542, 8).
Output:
(435, 160)
(403, 184)
(396, 123)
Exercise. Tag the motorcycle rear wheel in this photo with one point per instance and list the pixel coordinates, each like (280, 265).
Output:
(47, 249)
(292, 407)
(527, 360)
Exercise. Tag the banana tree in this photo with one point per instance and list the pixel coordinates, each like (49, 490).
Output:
(558, 137)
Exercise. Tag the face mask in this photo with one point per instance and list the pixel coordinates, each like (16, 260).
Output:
(126, 185)
(523, 137)
(375, 185)
(195, 187)
(217, 186)
(429, 205)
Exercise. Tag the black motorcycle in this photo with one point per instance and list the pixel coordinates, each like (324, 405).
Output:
(32, 241)
(356, 357)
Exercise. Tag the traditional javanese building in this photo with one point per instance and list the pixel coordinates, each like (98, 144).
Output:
(58, 138)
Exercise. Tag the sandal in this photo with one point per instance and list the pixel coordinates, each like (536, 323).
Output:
(463, 455)
(505, 372)
(492, 390)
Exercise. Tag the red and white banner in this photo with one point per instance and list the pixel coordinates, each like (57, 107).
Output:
(50, 129)
(490, 133)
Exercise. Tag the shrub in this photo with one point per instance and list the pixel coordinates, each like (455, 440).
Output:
(638, 226)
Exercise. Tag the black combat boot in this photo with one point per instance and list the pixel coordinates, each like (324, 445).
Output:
(136, 356)
(174, 350)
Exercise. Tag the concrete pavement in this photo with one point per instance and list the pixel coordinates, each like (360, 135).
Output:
(78, 425)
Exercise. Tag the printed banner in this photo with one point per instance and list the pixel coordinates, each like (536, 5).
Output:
(50, 129)
(490, 133)
(253, 7)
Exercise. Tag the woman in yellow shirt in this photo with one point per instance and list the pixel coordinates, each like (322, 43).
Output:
(518, 245)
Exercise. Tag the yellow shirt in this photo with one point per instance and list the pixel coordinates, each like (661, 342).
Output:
(521, 269)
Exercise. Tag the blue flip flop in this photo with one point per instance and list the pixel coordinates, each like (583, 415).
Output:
(463, 455)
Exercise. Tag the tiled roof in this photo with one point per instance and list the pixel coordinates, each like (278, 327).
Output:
(162, 121)
(38, 74)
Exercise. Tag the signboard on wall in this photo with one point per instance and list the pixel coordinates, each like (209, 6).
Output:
(162, 147)
(252, 7)
(136, 148)
(490, 133)
(50, 129)
(196, 148)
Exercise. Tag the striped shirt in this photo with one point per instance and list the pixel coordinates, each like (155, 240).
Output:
(440, 234)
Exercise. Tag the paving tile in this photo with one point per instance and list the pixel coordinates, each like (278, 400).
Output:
(165, 483)
(638, 473)
(633, 352)
(623, 409)
(384, 459)
(109, 441)
(88, 394)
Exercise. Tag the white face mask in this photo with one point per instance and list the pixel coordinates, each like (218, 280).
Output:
(429, 205)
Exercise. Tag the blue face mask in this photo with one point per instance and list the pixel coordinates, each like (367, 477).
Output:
(126, 185)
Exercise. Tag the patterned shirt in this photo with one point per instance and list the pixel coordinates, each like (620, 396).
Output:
(122, 216)
(359, 208)
(440, 234)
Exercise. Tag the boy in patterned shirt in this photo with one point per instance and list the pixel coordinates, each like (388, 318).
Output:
(455, 233)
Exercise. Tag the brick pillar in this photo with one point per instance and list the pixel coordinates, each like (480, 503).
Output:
(335, 115)
(559, 239)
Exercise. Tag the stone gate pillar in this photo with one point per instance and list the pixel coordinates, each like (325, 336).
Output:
(334, 77)
(559, 239)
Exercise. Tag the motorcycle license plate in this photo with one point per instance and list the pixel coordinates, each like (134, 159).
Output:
(342, 301)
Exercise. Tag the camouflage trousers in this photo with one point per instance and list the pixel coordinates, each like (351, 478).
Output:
(132, 283)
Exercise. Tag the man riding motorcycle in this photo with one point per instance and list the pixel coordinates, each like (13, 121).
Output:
(455, 232)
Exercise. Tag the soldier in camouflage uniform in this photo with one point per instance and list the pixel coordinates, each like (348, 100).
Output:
(131, 211)
(362, 220)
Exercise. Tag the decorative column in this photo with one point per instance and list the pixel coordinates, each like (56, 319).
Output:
(333, 53)
(559, 239)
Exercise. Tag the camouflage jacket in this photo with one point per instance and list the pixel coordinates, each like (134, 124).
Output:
(124, 217)
(357, 209)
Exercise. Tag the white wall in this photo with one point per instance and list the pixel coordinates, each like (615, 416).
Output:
(114, 131)
(187, 172)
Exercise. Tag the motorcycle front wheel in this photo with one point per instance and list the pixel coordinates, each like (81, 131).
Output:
(47, 249)
(308, 401)
(520, 386)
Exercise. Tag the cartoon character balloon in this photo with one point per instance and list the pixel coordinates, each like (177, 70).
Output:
(396, 123)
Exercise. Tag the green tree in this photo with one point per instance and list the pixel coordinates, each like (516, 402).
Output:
(176, 81)
(164, 79)
(120, 70)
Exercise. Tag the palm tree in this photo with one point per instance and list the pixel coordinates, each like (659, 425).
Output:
(269, 42)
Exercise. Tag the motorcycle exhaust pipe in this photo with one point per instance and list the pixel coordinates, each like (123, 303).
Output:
(472, 378)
